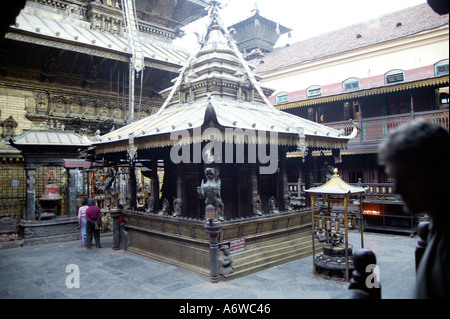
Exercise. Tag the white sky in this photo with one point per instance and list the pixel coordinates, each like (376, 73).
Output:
(306, 18)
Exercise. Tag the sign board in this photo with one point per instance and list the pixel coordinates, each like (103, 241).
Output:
(237, 245)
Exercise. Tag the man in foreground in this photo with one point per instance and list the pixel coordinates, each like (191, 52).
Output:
(416, 156)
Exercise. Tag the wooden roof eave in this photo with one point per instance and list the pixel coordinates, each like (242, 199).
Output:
(164, 140)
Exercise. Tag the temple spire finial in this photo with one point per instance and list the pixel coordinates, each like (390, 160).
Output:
(255, 8)
(213, 8)
(335, 171)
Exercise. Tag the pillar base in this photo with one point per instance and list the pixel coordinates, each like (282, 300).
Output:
(115, 214)
(213, 229)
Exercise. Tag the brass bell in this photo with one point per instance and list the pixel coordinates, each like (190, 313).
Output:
(51, 193)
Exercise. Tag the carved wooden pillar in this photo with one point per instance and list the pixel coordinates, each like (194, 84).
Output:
(241, 194)
(281, 180)
(253, 188)
(71, 193)
(155, 185)
(115, 214)
(308, 175)
(133, 188)
(31, 193)
(181, 189)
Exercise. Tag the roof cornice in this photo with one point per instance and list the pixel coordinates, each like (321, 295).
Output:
(367, 92)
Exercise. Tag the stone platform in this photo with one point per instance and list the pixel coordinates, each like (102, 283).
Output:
(49, 230)
(39, 272)
(269, 239)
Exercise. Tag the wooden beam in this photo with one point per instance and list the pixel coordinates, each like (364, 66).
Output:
(74, 64)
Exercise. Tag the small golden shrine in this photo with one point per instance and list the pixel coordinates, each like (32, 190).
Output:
(330, 223)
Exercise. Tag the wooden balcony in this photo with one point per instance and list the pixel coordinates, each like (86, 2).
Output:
(375, 129)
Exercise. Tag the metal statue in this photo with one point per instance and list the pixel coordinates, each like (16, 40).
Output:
(273, 205)
(226, 261)
(257, 210)
(210, 190)
(176, 207)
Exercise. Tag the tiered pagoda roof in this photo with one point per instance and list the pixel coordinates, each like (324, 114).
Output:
(217, 88)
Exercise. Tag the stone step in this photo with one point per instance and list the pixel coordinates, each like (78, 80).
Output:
(271, 254)
(274, 245)
(304, 231)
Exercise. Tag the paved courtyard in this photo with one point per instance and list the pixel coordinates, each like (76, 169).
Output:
(41, 272)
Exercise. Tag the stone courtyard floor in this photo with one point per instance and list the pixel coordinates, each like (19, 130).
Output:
(41, 272)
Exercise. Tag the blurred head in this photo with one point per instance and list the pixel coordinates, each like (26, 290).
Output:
(90, 201)
(416, 156)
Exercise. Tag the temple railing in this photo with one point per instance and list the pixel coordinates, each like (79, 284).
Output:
(378, 191)
(378, 128)
(374, 191)
(381, 206)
